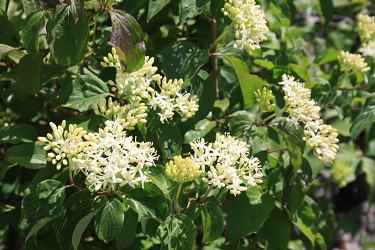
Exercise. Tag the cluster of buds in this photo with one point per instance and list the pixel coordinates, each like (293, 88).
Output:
(225, 163)
(63, 145)
(248, 21)
(352, 63)
(7, 119)
(368, 49)
(340, 171)
(366, 27)
(264, 98)
(182, 170)
(301, 108)
(112, 60)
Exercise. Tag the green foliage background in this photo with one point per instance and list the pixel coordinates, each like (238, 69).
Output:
(50, 70)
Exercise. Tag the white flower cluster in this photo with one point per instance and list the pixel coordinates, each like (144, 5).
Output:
(301, 108)
(368, 49)
(225, 163)
(248, 21)
(136, 90)
(366, 27)
(112, 158)
(352, 63)
(65, 145)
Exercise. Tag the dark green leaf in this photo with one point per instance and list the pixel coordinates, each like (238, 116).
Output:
(127, 234)
(183, 59)
(329, 56)
(154, 6)
(213, 223)
(194, 210)
(160, 179)
(6, 27)
(30, 6)
(30, 32)
(28, 155)
(29, 72)
(274, 182)
(77, 9)
(366, 118)
(326, 10)
(80, 207)
(5, 49)
(190, 8)
(169, 137)
(109, 220)
(215, 7)
(275, 232)
(149, 128)
(68, 40)
(241, 125)
(282, 12)
(301, 71)
(249, 83)
(202, 128)
(203, 86)
(148, 202)
(83, 93)
(3, 226)
(127, 38)
(4, 167)
(40, 207)
(249, 213)
(19, 133)
(177, 232)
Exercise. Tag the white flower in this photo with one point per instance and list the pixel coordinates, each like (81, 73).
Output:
(368, 49)
(116, 159)
(248, 21)
(64, 145)
(225, 163)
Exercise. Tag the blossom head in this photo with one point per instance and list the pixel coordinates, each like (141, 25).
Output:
(352, 63)
(264, 98)
(63, 144)
(225, 163)
(366, 27)
(248, 21)
(115, 159)
(368, 49)
(182, 170)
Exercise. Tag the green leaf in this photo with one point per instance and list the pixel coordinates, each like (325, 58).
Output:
(3, 226)
(162, 181)
(19, 133)
(282, 12)
(80, 207)
(215, 7)
(213, 222)
(5, 49)
(275, 183)
(6, 27)
(4, 167)
(242, 125)
(149, 128)
(202, 128)
(189, 9)
(52, 71)
(28, 155)
(127, 234)
(127, 38)
(248, 83)
(275, 232)
(30, 6)
(222, 104)
(367, 165)
(366, 118)
(326, 10)
(29, 72)
(203, 86)
(148, 202)
(83, 92)
(109, 220)
(264, 63)
(177, 232)
(30, 32)
(77, 9)
(183, 59)
(193, 210)
(68, 40)
(329, 56)
(40, 207)
(249, 213)
(169, 137)
(154, 6)
(300, 71)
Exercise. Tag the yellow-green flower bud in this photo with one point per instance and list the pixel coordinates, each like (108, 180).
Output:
(182, 169)
(264, 99)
